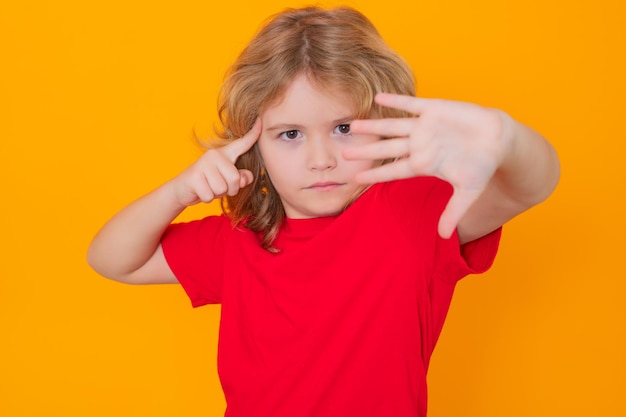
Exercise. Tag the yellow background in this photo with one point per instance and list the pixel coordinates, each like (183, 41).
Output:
(98, 104)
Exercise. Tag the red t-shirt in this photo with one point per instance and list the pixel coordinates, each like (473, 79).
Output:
(343, 321)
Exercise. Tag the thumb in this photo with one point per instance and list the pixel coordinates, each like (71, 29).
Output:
(242, 145)
(458, 205)
(246, 178)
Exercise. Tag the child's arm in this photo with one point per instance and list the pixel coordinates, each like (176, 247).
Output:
(497, 166)
(127, 248)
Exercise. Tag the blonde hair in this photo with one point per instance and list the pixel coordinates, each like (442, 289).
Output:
(336, 48)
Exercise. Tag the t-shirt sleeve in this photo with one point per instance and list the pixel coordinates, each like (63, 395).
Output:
(421, 201)
(194, 252)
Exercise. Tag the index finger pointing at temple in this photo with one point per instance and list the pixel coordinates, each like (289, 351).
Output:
(240, 146)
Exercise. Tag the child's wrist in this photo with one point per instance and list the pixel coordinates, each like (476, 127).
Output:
(169, 197)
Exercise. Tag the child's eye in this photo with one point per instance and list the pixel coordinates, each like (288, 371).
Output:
(343, 129)
(290, 135)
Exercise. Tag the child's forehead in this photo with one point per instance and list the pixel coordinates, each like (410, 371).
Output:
(307, 93)
(303, 100)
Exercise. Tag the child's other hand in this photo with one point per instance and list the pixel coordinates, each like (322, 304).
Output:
(214, 174)
(461, 143)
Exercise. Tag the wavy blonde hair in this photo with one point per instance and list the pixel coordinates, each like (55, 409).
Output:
(337, 48)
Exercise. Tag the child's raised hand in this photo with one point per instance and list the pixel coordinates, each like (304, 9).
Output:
(461, 143)
(214, 174)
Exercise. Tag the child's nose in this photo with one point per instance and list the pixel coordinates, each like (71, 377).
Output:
(321, 154)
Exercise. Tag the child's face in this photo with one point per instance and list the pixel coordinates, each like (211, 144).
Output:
(301, 143)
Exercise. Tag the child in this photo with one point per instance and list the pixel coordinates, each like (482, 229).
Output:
(342, 239)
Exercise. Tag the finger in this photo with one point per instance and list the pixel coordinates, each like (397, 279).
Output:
(385, 149)
(205, 195)
(399, 127)
(458, 205)
(230, 176)
(216, 181)
(240, 146)
(202, 190)
(410, 104)
(389, 172)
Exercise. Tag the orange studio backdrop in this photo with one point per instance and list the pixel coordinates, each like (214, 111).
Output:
(98, 105)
